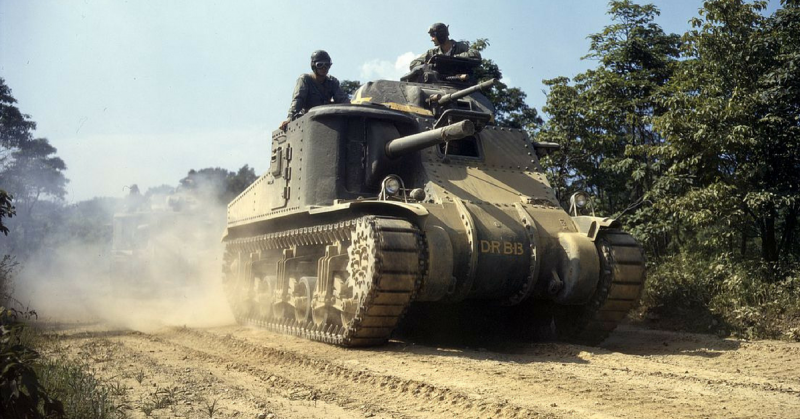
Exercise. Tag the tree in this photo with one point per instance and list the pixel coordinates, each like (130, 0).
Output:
(779, 98)
(15, 127)
(218, 184)
(350, 87)
(570, 167)
(6, 210)
(35, 172)
(603, 118)
(732, 129)
(237, 183)
(509, 102)
(31, 172)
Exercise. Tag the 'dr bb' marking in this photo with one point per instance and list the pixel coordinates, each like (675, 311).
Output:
(502, 247)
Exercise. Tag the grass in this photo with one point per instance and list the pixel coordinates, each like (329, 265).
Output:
(210, 407)
(69, 383)
(75, 384)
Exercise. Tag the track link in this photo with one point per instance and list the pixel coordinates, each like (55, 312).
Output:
(387, 262)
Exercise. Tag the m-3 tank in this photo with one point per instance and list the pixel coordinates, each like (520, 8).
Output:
(411, 194)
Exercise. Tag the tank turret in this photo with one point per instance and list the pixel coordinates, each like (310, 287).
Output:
(412, 194)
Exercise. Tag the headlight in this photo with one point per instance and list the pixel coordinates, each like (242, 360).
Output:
(391, 185)
(580, 199)
(418, 194)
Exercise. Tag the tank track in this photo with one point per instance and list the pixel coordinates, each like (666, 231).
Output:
(397, 260)
(622, 276)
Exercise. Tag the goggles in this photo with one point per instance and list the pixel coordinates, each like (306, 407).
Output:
(322, 64)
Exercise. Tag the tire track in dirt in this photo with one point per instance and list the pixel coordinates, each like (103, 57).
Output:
(637, 373)
(351, 387)
(199, 378)
(569, 381)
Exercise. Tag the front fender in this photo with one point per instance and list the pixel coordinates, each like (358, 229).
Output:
(590, 226)
(377, 207)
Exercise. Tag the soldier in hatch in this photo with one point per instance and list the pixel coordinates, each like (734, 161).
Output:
(317, 88)
(440, 36)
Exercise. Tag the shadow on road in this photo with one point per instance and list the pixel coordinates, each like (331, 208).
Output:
(477, 330)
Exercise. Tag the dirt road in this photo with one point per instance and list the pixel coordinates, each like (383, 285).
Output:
(241, 372)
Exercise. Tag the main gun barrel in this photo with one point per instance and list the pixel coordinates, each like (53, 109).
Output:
(468, 91)
(414, 142)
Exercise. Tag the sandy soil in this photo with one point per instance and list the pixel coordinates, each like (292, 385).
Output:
(240, 372)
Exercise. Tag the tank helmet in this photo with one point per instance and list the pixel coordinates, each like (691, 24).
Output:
(320, 59)
(439, 31)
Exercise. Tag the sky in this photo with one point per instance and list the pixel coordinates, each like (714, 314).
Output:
(140, 92)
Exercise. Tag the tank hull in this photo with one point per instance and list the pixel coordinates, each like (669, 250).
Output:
(320, 247)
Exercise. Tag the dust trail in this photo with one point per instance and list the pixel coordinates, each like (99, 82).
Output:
(161, 266)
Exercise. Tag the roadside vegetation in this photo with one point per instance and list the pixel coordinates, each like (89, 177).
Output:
(692, 140)
(39, 380)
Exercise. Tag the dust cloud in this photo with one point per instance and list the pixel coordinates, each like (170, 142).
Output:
(159, 265)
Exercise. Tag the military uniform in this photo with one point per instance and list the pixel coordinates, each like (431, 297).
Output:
(459, 49)
(309, 93)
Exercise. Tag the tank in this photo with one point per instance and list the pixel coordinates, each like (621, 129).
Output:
(159, 244)
(411, 194)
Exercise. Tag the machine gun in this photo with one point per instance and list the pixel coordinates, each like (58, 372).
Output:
(444, 69)
(443, 100)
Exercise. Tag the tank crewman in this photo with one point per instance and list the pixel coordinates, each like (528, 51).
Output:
(440, 36)
(317, 88)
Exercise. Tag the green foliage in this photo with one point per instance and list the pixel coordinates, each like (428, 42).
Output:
(243, 178)
(7, 266)
(6, 210)
(218, 184)
(731, 121)
(700, 292)
(350, 87)
(89, 220)
(509, 102)
(32, 173)
(22, 395)
(602, 118)
(15, 127)
(35, 172)
(82, 393)
(700, 152)
(52, 386)
(29, 168)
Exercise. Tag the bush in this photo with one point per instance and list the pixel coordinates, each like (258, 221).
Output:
(761, 301)
(50, 386)
(695, 292)
(7, 266)
(678, 292)
(21, 393)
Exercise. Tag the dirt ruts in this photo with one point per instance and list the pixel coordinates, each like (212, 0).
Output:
(242, 372)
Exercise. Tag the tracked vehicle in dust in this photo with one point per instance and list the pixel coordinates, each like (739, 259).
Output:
(411, 194)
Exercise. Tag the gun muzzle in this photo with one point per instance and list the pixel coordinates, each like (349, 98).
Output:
(414, 142)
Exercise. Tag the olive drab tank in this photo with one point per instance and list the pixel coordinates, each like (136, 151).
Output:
(411, 194)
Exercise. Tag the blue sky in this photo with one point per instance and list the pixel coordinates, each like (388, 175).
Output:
(142, 91)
